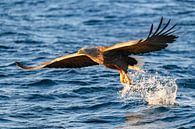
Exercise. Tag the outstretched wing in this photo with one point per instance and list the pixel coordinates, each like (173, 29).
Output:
(69, 61)
(154, 42)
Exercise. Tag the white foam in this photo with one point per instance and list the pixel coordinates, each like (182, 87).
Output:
(153, 88)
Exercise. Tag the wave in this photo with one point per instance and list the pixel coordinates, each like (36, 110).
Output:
(39, 97)
(5, 47)
(85, 90)
(4, 97)
(94, 22)
(186, 83)
(45, 82)
(96, 120)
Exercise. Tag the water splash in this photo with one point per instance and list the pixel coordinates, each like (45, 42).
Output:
(153, 88)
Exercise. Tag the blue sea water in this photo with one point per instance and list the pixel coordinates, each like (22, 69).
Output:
(34, 31)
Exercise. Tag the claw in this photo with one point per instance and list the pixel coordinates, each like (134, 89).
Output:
(124, 78)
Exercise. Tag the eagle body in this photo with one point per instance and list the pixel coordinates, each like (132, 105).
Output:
(117, 56)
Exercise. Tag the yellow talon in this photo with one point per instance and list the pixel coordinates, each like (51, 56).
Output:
(124, 78)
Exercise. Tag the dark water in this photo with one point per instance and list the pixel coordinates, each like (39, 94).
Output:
(33, 31)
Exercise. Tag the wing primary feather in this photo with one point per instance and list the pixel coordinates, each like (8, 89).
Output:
(169, 33)
(164, 33)
(158, 27)
(151, 29)
(164, 27)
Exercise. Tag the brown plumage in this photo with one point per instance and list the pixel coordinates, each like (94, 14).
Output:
(115, 56)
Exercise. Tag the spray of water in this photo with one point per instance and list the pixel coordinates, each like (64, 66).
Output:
(153, 88)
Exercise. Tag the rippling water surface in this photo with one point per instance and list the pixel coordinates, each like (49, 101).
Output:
(33, 31)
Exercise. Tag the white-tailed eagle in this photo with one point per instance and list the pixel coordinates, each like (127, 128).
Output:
(117, 56)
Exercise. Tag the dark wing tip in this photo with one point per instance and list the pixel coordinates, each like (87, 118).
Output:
(20, 65)
(23, 66)
(162, 31)
(151, 29)
(28, 68)
(159, 26)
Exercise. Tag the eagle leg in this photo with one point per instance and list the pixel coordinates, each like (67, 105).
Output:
(124, 78)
